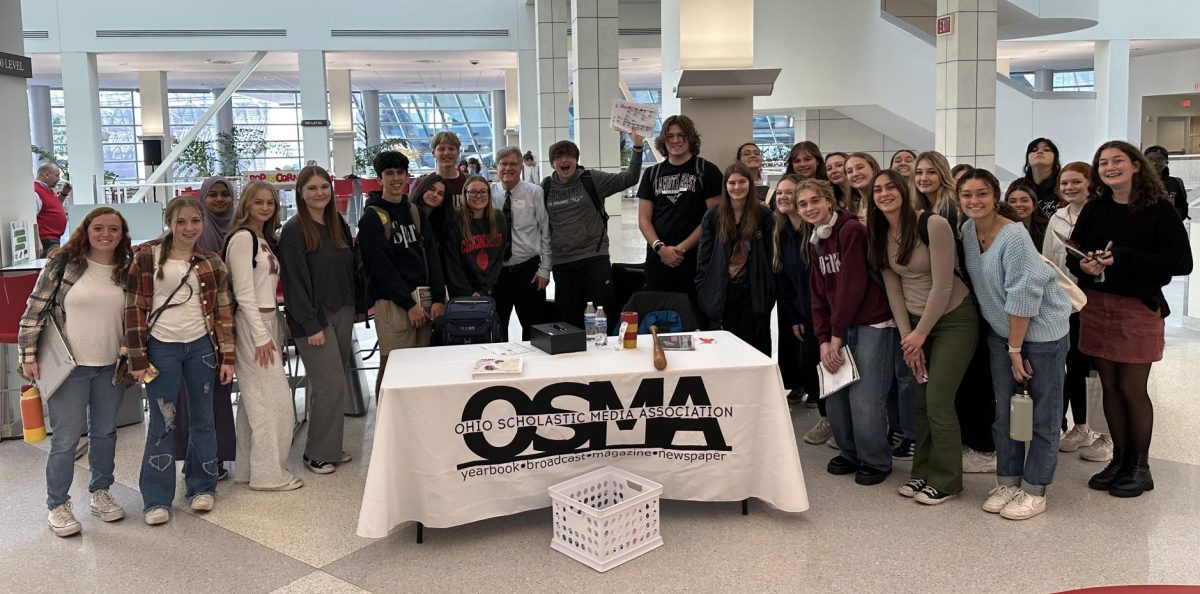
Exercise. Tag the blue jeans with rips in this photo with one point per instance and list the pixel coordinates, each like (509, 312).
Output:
(1031, 468)
(193, 363)
(86, 400)
(858, 412)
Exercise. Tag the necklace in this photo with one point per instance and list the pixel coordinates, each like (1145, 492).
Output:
(985, 237)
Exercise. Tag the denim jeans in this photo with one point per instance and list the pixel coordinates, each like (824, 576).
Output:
(195, 364)
(85, 400)
(1030, 468)
(858, 412)
(902, 398)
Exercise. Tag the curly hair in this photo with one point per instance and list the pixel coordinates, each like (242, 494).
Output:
(78, 246)
(1147, 186)
(686, 126)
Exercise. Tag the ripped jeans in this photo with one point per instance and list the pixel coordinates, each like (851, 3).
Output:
(194, 363)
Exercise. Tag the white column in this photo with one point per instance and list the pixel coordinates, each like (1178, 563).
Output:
(1112, 91)
(224, 114)
(669, 37)
(1043, 80)
(156, 119)
(965, 125)
(314, 106)
(341, 121)
(552, 76)
(499, 121)
(41, 122)
(16, 178)
(82, 102)
(370, 102)
(512, 109)
(597, 81)
(526, 93)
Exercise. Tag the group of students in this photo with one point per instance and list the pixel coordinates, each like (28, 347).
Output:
(935, 284)
(923, 273)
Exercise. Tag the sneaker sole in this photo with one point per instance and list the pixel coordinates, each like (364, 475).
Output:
(921, 498)
(294, 484)
(904, 457)
(815, 441)
(1094, 458)
(320, 470)
(1022, 517)
(903, 492)
(158, 522)
(202, 507)
(67, 531)
(111, 516)
(870, 481)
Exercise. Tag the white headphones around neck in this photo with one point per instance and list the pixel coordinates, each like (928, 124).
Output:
(824, 231)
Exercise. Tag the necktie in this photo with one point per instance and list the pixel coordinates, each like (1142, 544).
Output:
(508, 217)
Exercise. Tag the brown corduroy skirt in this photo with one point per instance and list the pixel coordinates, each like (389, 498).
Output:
(1120, 329)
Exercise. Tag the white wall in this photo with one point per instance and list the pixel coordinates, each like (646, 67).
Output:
(1161, 74)
(1020, 118)
(835, 131)
(1139, 19)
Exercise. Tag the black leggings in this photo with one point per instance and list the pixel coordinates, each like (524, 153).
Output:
(1075, 386)
(1127, 404)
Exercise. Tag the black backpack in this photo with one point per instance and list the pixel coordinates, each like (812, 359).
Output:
(589, 186)
(960, 263)
(468, 320)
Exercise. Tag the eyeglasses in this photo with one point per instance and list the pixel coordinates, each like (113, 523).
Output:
(477, 193)
(508, 164)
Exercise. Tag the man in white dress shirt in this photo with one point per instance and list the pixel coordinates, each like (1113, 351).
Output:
(526, 271)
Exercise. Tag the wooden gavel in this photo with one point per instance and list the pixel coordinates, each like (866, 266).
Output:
(660, 357)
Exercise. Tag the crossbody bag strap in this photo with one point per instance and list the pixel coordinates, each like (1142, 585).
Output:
(156, 314)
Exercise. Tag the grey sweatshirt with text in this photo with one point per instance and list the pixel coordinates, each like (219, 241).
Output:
(576, 229)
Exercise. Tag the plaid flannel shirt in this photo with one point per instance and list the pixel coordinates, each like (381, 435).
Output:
(38, 306)
(214, 296)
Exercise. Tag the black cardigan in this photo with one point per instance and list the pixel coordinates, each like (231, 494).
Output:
(712, 264)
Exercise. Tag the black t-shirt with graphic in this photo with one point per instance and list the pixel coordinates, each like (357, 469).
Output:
(678, 193)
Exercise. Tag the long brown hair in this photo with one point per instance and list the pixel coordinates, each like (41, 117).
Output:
(728, 228)
(781, 220)
(878, 227)
(854, 201)
(332, 220)
(176, 204)
(810, 147)
(1147, 186)
(465, 215)
(241, 216)
(78, 246)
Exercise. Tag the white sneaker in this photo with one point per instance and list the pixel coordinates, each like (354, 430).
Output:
(999, 497)
(1023, 506)
(105, 507)
(158, 515)
(62, 521)
(1101, 449)
(202, 502)
(831, 442)
(820, 432)
(1079, 436)
(978, 462)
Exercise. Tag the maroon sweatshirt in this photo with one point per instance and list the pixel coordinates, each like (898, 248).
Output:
(843, 294)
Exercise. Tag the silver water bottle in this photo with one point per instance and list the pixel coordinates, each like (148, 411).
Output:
(1020, 414)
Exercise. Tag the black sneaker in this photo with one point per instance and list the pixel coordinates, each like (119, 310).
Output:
(223, 473)
(795, 397)
(931, 496)
(893, 438)
(840, 466)
(870, 476)
(904, 449)
(318, 466)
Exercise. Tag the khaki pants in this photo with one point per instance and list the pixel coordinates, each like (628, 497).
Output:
(395, 331)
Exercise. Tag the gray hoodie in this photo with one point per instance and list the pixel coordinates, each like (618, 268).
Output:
(576, 226)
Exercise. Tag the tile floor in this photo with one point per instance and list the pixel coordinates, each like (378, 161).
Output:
(854, 539)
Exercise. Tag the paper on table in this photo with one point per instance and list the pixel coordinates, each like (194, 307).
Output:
(506, 349)
(628, 116)
(846, 374)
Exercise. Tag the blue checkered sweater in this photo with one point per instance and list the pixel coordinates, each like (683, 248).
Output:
(1012, 279)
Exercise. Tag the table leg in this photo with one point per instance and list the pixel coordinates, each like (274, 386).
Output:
(745, 507)
(420, 533)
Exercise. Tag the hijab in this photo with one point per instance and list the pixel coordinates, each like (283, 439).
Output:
(216, 227)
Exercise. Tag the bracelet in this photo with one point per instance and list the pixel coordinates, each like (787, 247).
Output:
(1013, 349)
(658, 244)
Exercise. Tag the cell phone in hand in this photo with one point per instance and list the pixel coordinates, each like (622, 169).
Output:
(1072, 248)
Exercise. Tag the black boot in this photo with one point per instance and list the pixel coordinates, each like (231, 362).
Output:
(1117, 468)
(1136, 480)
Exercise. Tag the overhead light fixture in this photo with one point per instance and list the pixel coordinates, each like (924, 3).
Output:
(222, 62)
(427, 61)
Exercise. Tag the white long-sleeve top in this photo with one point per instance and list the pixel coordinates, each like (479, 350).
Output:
(253, 286)
(1053, 249)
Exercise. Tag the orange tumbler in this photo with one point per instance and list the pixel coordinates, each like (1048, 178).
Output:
(630, 319)
(33, 421)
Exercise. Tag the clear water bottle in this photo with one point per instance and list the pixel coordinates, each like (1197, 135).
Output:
(601, 327)
(589, 321)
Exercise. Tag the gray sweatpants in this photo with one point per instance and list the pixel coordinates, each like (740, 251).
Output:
(264, 417)
(326, 386)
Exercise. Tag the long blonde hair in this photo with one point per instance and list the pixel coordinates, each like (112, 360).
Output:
(241, 216)
(946, 197)
(176, 204)
(465, 215)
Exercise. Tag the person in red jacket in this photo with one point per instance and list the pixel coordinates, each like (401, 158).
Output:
(850, 309)
(51, 218)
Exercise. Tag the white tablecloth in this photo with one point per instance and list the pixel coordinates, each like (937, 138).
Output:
(450, 449)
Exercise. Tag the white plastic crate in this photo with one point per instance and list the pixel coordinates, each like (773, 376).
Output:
(605, 517)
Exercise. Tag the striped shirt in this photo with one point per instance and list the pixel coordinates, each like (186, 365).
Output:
(1011, 278)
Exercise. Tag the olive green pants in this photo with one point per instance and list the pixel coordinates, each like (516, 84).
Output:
(948, 349)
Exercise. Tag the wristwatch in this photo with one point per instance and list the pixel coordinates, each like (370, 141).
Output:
(1013, 349)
